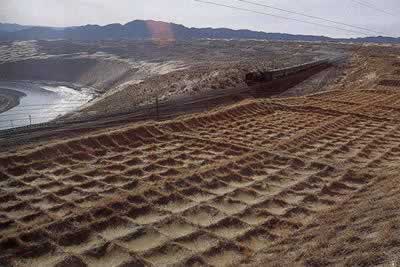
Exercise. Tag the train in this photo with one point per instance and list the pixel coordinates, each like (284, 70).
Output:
(266, 76)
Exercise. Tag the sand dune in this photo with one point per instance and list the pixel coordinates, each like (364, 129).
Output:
(297, 181)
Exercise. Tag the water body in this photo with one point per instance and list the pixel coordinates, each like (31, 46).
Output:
(43, 102)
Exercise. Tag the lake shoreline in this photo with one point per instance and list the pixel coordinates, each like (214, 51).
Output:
(9, 99)
(33, 102)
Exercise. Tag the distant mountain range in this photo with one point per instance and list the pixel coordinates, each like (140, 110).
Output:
(149, 29)
(8, 27)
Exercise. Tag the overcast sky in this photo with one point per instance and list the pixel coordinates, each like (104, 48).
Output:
(195, 14)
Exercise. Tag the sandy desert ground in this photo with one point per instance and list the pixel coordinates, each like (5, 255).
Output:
(128, 74)
(306, 180)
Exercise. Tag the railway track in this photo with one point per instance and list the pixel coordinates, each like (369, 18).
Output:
(169, 109)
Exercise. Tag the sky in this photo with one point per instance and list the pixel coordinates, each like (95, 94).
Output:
(60, 13)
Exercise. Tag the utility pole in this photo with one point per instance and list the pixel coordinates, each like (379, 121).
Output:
(30, 120)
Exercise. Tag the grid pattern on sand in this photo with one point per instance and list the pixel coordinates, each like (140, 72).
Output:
(211, 189)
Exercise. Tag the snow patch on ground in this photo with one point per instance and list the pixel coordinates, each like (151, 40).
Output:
(371, 76)
(144, 71)
(18, 50)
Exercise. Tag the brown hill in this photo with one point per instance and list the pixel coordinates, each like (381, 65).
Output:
(295, 181)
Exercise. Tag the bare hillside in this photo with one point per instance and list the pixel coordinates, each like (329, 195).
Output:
(128, 74)
(306, 180)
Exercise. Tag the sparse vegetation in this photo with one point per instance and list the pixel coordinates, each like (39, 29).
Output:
(305, 180)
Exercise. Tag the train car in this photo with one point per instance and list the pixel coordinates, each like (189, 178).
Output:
(266, 76)
(258, 77)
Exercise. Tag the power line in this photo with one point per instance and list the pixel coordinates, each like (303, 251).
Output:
(35, 113)
(310, 16)
(59, 109)
(59, 104)
(44, 108)
(24, 114)
(278, 16)
(22, 111)
(366, 4)
(41, 117)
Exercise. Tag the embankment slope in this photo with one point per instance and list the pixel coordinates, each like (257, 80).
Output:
(297, 181)
(98, 73)
(9, 99)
